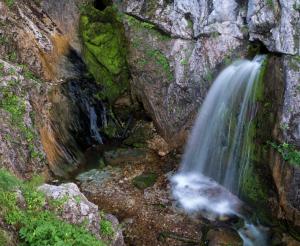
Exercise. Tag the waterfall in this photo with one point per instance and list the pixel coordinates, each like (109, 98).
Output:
(219, 148)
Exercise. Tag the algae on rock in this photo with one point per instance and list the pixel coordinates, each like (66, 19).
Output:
(104, 50)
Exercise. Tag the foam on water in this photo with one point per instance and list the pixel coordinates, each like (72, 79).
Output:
(195, 192)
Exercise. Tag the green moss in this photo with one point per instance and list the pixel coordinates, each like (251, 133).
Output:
(162, 61)
(259, 84)
(139, 25)
(190, 24)
(104, 49)
(270, 3)
(253, 188)
(145, 180)
(133, 22)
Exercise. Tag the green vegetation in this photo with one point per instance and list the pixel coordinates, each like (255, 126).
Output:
(253, 188)
(106, 228)
(145, 180)
(141, 25)
(35, 225)
(184, 62)
(294, 62)
(288, 153)
(133, 22)
(190, 24)
(15, 105)
(156, 55)
(12, 56)
(270, 3)
(105, 51)
(161, 61)
(10, 3)
(3, 40)
(209, 76)
(259, 83)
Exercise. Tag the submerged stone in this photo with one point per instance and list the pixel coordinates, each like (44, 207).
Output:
(124, 156)
(94, 175)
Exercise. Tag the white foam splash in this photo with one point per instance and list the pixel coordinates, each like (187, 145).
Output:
(196, 192)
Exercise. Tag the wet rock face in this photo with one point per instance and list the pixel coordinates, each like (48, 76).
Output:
(74, 117)
(77, 210)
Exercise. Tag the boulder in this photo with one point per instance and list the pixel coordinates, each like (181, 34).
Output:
(76, 209)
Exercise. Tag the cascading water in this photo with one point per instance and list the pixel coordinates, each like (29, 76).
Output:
(218, 151)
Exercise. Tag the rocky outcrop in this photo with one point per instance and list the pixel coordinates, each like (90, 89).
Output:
(20, 147)
(275, 23)
(286, 173)
(186, 65)
(290, 120)
(76, 209)
(188, 41)
(69, 115)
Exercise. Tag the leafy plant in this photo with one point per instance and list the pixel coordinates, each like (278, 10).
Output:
(8, 182)
(46, 229)
(288, 152)
(106, 228)
(36, 226)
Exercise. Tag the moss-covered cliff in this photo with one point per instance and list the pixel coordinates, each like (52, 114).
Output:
(104, 50)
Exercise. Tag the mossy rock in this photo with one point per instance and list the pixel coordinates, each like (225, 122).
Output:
(104, 49)
(141, 134)
(145, 180)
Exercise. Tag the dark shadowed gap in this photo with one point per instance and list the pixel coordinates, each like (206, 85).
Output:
(102, 4)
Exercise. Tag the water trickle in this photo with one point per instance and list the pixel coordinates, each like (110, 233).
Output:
(219, 149)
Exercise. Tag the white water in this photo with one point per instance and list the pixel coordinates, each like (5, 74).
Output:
(218, 151)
